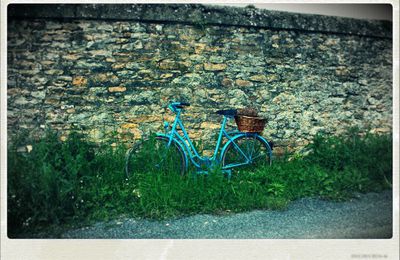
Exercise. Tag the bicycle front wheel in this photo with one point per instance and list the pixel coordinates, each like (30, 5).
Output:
(155, 155)
(247, 151)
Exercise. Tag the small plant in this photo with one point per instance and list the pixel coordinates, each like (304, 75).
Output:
(276, 189)
(277, 203)
(368, 152)
(58, 182)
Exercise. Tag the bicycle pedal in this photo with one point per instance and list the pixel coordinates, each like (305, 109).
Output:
(228, 173)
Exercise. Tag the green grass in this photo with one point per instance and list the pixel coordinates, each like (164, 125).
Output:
(75, 182)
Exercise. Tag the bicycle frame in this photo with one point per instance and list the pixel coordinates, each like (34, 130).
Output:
(191, 150)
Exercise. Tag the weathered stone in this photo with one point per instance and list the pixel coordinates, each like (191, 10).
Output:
(132, 129)
(105, 27)
(59, 45)
(144, 72)
(227, 82)
(65, 78)
(102, 77)
(101, 117)
(117, 89)
(79, 81)
(129, 125)
(342, 71)
(217, 59)
(243, 83)
(184, 64)
(272, 77)
(54, 72)
(96, 135)
(199, 48)
(132, 65)
(29, 72)
(89, 65)
(52, 101)
(259, 78)
(207, 125)
(47, 63)
(138, 45)
(146, 119)
(197, 58)
(166, 75)
(168, 65)
(21, 101)
(214, 67)
(117, 66)
(381, 130)
(103, 53)
(363, 82)
(39, 94)
(110, 59)
(81, 117)
(159, 27)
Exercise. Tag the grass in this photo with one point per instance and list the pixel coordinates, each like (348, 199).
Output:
(75, 182)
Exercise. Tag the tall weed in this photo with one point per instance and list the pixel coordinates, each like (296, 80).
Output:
(77, 181)
(366, 152)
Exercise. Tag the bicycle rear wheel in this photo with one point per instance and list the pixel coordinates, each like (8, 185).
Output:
(247, 151)
(155, 156)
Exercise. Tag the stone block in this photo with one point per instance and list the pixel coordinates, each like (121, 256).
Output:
(259, 78)
(227, 82)
(243, 83)
(166, 75)
(129, 125)
(214, 67)
(217, 59)
(79, 81)
(117, 89)
(208, 125)
(54, 72)
(103, 53)
(199, 48)
(131, 129)
(21, 101)
(38, 94)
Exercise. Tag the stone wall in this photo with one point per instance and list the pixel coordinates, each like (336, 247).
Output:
(111, 69)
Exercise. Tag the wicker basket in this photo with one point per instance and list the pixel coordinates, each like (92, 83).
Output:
(250, 124)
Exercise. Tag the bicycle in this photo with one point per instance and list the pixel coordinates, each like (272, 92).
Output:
(172, 151)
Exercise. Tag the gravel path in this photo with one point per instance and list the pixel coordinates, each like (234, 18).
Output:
(368, 216)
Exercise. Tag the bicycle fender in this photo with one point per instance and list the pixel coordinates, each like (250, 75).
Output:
(178, 143)
(240, 135)
(266, 141)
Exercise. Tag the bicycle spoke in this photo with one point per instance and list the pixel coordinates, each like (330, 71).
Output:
(155, 156)
(254, 149)
(248, 149)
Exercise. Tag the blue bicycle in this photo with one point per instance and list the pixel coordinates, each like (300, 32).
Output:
(173, 150)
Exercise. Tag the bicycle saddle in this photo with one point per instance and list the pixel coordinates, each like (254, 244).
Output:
(179, 105)
(227, 112)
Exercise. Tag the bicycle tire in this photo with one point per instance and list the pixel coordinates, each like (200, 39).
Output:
(157, 159)
(253, 146)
